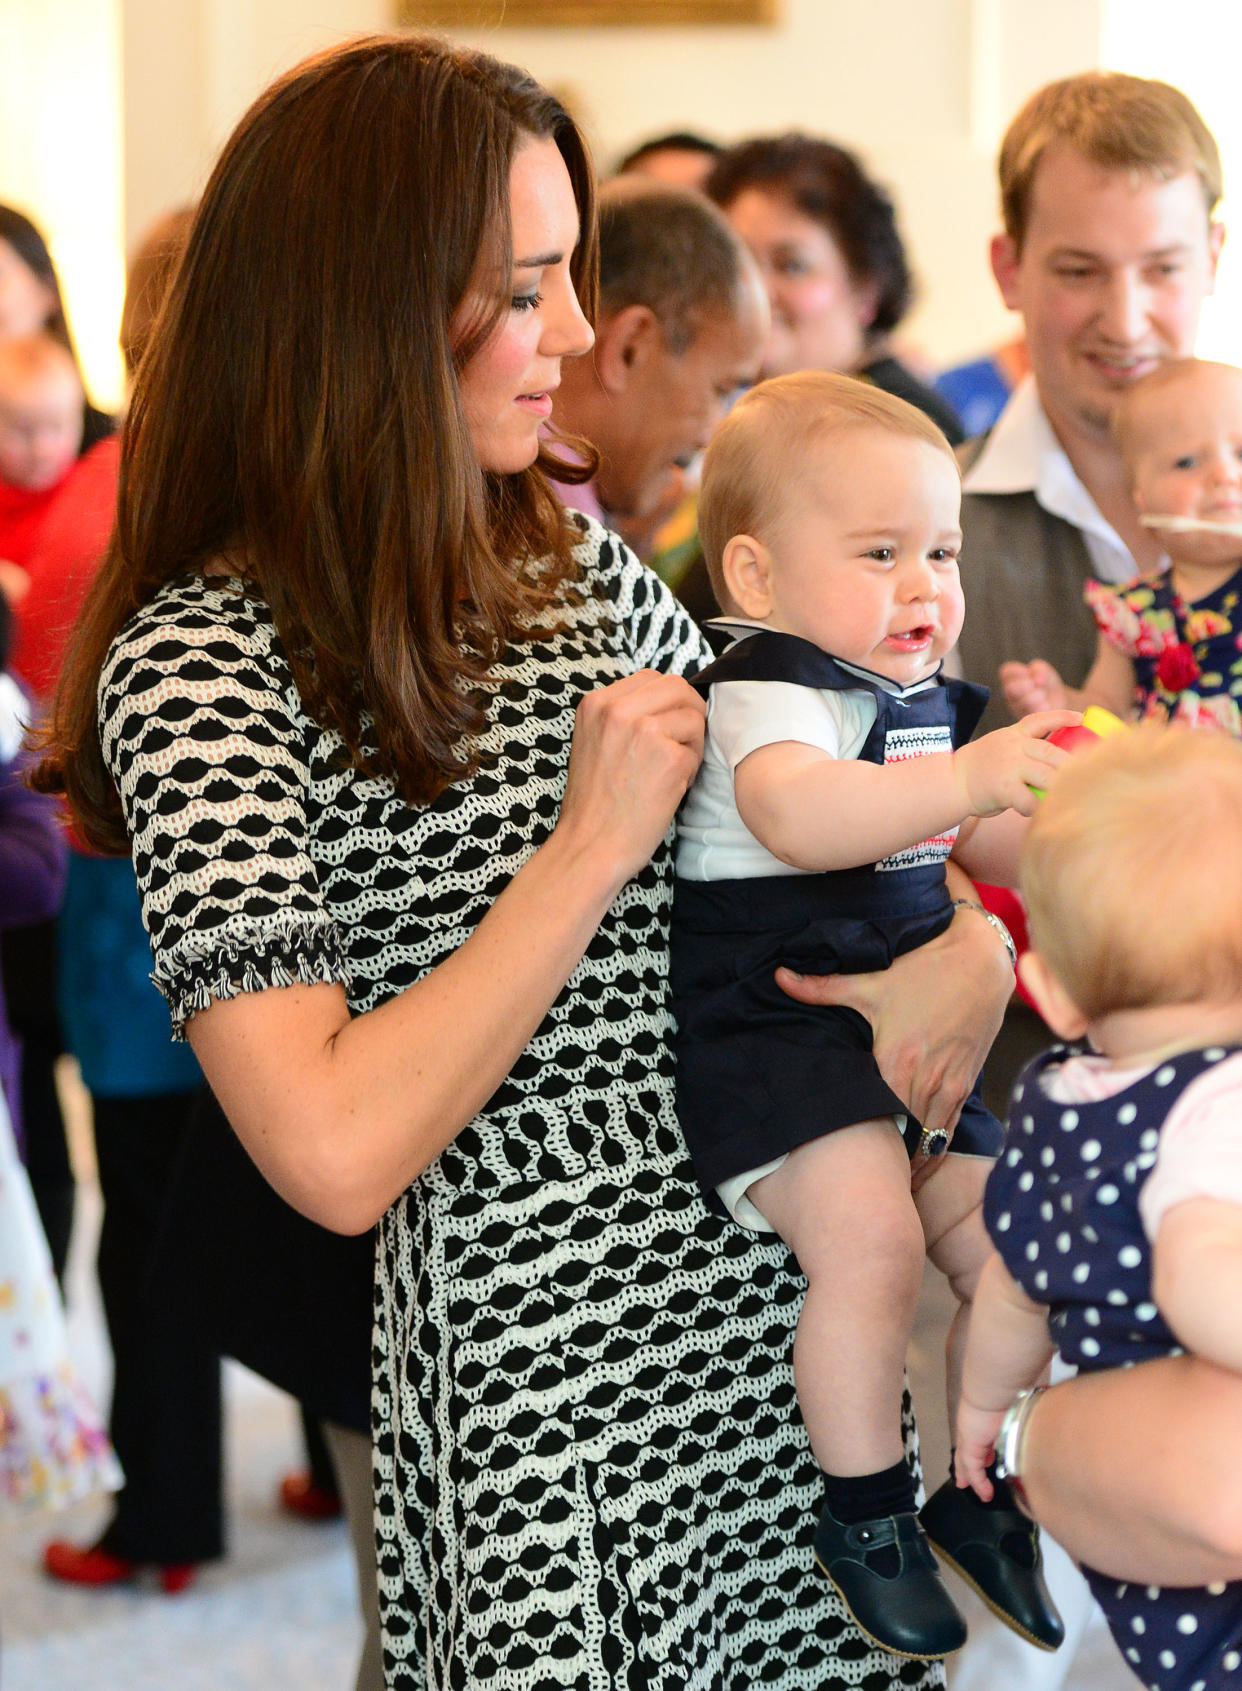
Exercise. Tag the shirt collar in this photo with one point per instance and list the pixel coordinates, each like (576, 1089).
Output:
(739, 627)
(1023, 455)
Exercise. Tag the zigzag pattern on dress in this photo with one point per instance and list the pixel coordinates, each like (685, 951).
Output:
(591, 1470)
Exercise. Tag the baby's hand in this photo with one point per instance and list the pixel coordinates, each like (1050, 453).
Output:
(976, 1437)
(999, 771)
(1033, 686)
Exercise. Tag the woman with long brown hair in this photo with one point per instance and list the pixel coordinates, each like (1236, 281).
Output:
(397, 745)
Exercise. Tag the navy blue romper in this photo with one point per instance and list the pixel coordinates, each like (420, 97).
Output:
(759, 1074)
(1062, 1207)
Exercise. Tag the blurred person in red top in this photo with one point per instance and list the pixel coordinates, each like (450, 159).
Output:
(55, 503)
(31, 305)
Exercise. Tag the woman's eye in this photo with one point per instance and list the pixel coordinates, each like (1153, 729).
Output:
(526, 302)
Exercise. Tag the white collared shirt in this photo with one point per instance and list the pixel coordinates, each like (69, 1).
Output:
(1023, 455)
(713, 843)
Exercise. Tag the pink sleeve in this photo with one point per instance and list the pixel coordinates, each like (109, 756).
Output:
(1116, 620)
(1200, 1154)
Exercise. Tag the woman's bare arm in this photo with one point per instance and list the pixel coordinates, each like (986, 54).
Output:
(341, 1113)
(1135, 1471)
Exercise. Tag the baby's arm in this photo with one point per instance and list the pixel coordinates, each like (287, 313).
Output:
(1037, 686)
(818, 812)
(1197, 1277)
(1191, 1207)
(1007, 1349)
(989, 849)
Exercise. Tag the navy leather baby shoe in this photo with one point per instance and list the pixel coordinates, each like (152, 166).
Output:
(995, 1550)
(888, 1579)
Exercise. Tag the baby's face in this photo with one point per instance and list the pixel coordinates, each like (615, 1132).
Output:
(1186, 448)
(865, 564)
(40, 430)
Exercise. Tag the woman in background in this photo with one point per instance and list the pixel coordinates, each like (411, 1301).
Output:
(825, 236)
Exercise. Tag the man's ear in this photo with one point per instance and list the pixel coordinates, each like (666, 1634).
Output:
(1051, 999)
(1216, 240)
(623, 343)
(746, 566)
(1003, 253)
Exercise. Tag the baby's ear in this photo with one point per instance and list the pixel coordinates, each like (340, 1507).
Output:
(1051, 999)
(746, 565)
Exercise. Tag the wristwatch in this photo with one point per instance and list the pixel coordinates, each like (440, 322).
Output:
(991, 917)
(1010, 1439)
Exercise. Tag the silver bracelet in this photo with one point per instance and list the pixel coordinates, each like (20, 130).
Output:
(991, 917)
(1010, 1439)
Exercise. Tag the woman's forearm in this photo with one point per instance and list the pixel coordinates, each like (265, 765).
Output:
(1137, 1473)
(342, 1112)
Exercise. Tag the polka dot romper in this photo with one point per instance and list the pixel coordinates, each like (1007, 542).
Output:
(1062, 1208)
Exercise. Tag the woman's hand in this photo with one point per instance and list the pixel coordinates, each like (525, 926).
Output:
(637, 744)
(929, 1043)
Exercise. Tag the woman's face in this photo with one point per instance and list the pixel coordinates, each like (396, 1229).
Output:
(820, 315)
(26, 303)
(507, 387)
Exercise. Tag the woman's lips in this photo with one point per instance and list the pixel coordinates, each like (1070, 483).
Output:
(538, 404)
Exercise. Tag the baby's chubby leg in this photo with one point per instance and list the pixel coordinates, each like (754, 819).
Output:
(950, 1208)
(994, 1547)
(843, 1205)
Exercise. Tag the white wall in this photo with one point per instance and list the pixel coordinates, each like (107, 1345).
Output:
(60, 159)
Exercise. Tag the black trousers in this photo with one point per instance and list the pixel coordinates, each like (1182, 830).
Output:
(166, 1401)
(28, 959)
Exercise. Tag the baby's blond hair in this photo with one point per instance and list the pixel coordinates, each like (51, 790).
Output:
(762, 444)
(1132, 871)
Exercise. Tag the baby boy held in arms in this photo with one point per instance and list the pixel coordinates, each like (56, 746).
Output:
(837, 781)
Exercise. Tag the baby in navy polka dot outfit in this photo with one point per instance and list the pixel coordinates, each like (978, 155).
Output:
(1116, 1208)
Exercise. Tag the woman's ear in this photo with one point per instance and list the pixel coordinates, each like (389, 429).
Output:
(746, 565)
(1051, 999)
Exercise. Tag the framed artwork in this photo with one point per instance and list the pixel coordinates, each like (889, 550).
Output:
(467, 14)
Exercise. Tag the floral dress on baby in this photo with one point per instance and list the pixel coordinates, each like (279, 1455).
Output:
(1187, 658)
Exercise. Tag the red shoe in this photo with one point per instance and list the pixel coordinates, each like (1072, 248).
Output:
(175, 1576)
(97, 1566)
(300, 1495)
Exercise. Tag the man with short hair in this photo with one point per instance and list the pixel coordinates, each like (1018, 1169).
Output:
(682, 317)
(1109, 184)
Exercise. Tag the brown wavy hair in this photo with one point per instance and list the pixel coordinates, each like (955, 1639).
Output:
(299, 417)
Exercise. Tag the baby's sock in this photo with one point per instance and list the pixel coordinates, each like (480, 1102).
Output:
(865, 1497)
(869, 1497)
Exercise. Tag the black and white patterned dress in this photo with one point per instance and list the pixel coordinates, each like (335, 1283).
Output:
(591, 1471)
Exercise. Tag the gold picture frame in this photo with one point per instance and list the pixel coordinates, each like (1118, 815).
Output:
(518, 14)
